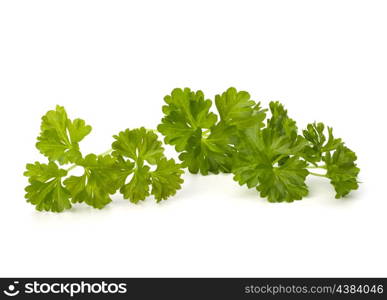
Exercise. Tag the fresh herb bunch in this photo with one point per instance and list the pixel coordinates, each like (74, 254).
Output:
(136, 155)
(206, 141)
(271, 156)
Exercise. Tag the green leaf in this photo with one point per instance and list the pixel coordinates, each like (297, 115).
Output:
(339, 160)
(103, 175)
(186, 113)
(268, 159)
(43, 172)
(45, 190)
(285, 182)
(60, 136)
(206, 145)
(280, 123)
(318, 144)
(209, 154)
(166, 179)
(342, 170)
(142, 146)
(138, 187)
(237, 109)
(138, 144)
(279, 183)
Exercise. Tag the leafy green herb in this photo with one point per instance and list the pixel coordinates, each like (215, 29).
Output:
(270, 156)
(268, 159)
(60, 136)
(206, 143)
(338, 160)
(342, 170)
(318, 144)
(273, 157)
(46, 190)
(237, 109)
(276, 160)
(102, 176)
(142, 146)
(51, 189)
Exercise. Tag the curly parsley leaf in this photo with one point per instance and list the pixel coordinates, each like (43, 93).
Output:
(237, 109)
(142, 146)
(186, 112)
(318, 143)
(285, 182)
(209, 153)
(191, 127)
(268, 158)
(257, 164)
(59, 138)
(139, 144)
(138, 187)
(166, 179)
(45, 189)
(207, 145)
(282, 132)
(280, 122)
(102, 177)
(342, 170)
(339, 161)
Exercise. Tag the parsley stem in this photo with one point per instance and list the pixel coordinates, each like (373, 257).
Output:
(71, 168)
(106, 152)
(102, 154)
(316, 167)
(316, 174)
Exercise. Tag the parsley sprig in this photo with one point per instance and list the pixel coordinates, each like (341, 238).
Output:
(262, 148)
(206, 141)
(123, 168)
(271, 156)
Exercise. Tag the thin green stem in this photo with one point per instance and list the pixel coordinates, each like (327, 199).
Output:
(316, 167)
(106, 152)
(102, 154)
(316, 174)
(71, 168)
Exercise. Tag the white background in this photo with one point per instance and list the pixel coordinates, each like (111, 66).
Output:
(111, 63)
